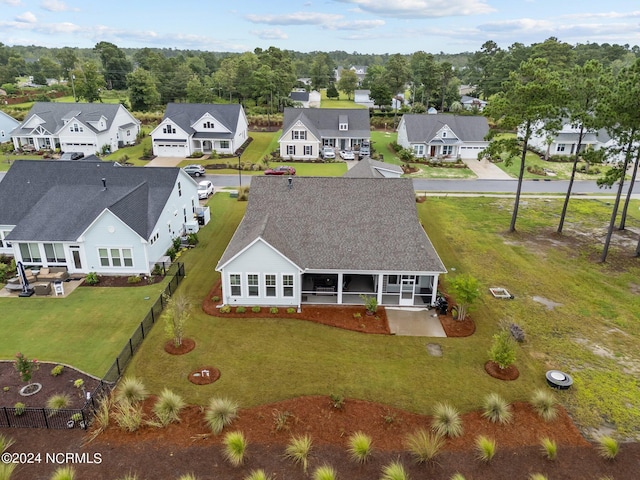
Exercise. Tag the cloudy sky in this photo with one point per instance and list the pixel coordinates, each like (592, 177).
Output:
(364, 26)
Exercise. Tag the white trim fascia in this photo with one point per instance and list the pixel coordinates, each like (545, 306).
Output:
(219, 268)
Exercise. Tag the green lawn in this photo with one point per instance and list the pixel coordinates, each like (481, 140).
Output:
(342, 102)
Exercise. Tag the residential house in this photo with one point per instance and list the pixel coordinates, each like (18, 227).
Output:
(7, 125)
(93, 216)
(368, 168)
(443, 136)
(359, 70)
(306, 99)
(469, 103)
(76, 127)
(310, 240)
(187, 128)
(306, 131)
(361, 97)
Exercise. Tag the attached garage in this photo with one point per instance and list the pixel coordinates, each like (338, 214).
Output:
(86, 148)
(170, 148)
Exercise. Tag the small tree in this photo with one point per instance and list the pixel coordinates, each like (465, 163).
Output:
(25, 367)
(332, 91)
(466, 290)
(179, 311)
(503, 351)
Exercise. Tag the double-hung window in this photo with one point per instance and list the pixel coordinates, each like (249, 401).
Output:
(299, 134)
(253, 284)
(287, 285)
(115, 257)
(270, 285)
(236, 284)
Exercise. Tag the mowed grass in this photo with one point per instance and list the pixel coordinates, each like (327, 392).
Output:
(87, 329)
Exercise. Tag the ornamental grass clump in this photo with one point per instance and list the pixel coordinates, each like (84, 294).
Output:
(549, 448)
(544, 403)
(394, 471)
(220, 413)
(131, 391)
(325, 472)
(360, 447)
(446, 421)
(6, 470)
(168, 406)
(485, 448)
(424, 446)
(64, 473)
(258, 475)
(537, 476)
(128, 416)
(298, 450)
(57, 402)
(496, 409)
(608, 447)
(235, 447)
(457, 476)
(5, 442)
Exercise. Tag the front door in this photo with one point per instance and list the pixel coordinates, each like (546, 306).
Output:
(406, 289)
(77, 262)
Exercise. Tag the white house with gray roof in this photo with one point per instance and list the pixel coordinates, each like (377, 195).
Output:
(76, 127)
(306, 131)
(7, 125)
(200, 127)
(93, 216)
(309, 240)
(443, 136)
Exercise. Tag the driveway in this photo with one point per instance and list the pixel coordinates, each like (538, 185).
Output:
(486, 170)
(164, 162)
(414, 322)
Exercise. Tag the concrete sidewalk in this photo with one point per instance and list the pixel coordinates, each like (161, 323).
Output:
(486, 170)
(414, 322)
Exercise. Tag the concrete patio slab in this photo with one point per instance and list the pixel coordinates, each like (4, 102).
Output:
(414, 322)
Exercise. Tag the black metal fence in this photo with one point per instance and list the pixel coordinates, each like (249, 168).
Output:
(31, 417)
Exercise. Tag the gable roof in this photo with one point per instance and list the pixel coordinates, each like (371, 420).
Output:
(186, 114)
(369, 168)
(299, 96)
(324, 122)
(57, 201)
(423, 128)
(54, 115)
(337, 223)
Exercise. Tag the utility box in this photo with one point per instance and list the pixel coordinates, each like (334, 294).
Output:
(191, 227)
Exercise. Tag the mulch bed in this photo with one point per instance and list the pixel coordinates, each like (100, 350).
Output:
(120, 281)
(204, 375)
(187, 345)
(509, 373)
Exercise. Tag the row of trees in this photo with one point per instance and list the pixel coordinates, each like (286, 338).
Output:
(540, 96)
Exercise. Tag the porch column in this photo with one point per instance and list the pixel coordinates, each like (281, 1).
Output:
(379, 288)
(340, 288)
(434, 290)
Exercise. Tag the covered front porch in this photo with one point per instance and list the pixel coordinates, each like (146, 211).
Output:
(345, 288)
(208, 144)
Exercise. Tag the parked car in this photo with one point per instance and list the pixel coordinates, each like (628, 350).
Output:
(281, 170)
(365, 149)
(347, 155)
(327, 152)
(71, 156)
(205, 189)
(194, 170)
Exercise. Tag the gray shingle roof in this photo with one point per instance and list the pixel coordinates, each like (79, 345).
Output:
(299, 96)
(56, 201)
(186, 114)
(422, 128)
(53, 114)
(338, 224)
(368, 168)
(324, 122)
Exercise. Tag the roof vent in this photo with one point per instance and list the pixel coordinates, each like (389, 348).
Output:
(104, 184)
(290, 182)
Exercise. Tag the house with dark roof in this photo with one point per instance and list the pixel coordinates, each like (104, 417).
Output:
(369, 168)
(76, 127)
(187, 128)
(308, 240)
(93, 216)
(304, 99)
(443, 136)
(7, 125)
(306, 131)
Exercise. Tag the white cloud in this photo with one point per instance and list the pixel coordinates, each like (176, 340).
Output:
(13, 3)
(612, 15)
(298, 18)
(422, 8)
(56, 6)
(357, 25)
(273, 34)
(26, 17)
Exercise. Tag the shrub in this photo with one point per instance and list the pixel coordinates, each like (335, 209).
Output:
(359, 447)
(58, 401)
(128, 416)
(57, 370)
(134, 279)
(544, 403)
(131, 390)
(394, 471)
(281, 419)
(25, 367)
(291, 310)
(257, 475)
(255, 309)
(337, 400)
(496, 409)
(235, 447)
(241, 309)
(19, 408)
(220, 413)
(485, 448)
(101, 418)
(273, 310)
(79, 383)
(91, 278)
(225, 309)
(446, 421)
(517, 332)
(64, 473)
(357, 315)
(168, 406)
(608, 447)
(502, 349)
(325, 472)
(298, 450)
(215, 298)
(549, 448)
(424, 446)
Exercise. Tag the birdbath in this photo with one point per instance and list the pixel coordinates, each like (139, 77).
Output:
(30, 389)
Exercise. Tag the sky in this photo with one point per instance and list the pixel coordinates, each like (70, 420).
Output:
(363, 26)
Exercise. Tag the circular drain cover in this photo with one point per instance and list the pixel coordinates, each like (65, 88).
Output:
(558, 379)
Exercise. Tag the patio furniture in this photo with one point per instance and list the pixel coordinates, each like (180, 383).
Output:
(42, 288)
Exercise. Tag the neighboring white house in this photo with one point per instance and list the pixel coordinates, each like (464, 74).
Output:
(443, 136)
(76, 127)
(361, 97)
(306, 99)
(7, 125)
(306, 131)
(469, 103)
(93, 216)
(330, 240)
(200, 127)
(359, 70)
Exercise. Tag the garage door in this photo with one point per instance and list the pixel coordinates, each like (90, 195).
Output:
(86, 148)
(170, 150)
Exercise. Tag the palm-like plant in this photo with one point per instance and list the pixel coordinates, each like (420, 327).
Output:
(496, 409)
(446, 421)
(360, 447)
(424, 446)
(220, 413)
(298, 450)
(235, 447)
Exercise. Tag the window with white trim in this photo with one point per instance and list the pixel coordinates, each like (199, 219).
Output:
(343, 127)
(54, 252)
(3, 242)
(291, 149)
(168, 129)
(77, 128)
(224, 144)
(308, 150)
(115, 257)
(299, 134)
(270, 285)
(561, 147)
(447, 149)
(287, 285)
(418, 150)
(235, 283)
(30, 252)
(208, 125)
(253, 284)
(444, 134)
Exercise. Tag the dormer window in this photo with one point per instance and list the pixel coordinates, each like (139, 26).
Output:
(444, 134)
(299, 134)
(168, 129)
(207, 125)
(343, 123)
(344, 127)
